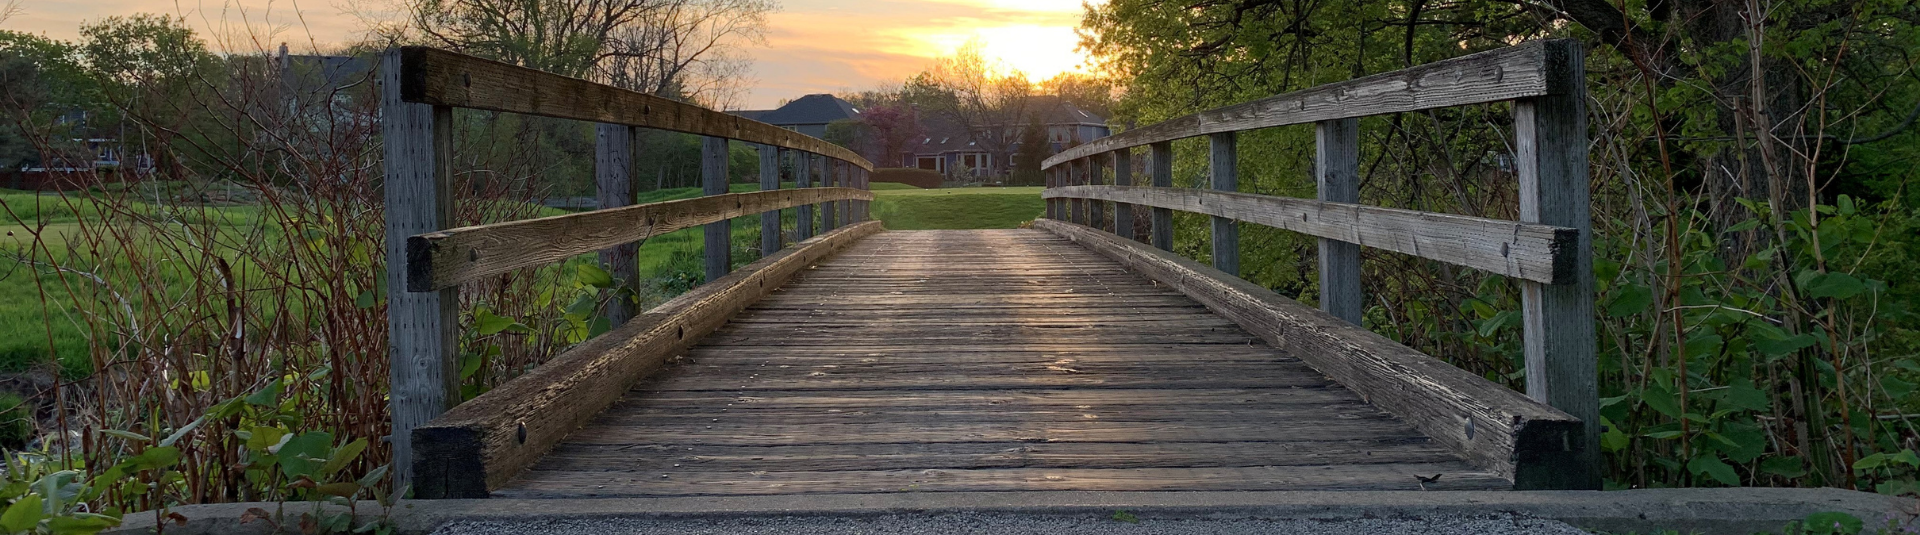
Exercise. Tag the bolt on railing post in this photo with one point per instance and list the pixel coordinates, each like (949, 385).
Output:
(1336, 167)
(1557, 319)
(769, 181)
(1123, 176)
(719, 234)
(1224, 169)
(1161, 157)
(422, 327)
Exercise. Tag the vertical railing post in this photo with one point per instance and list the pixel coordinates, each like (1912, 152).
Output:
(1557, 319)
(846, 181)
(1162, 159)
(1077, 175)
(803, 178)
(1224, 163)
(713, 181)
(613, 174)
(1046, 181)
(866, 184)
(1096, 209)
(830, 177)
(422, 327)
(1123, 176)
(769, 181)
(1336, 167)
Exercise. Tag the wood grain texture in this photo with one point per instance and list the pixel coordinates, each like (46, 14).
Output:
(716, 236)
(442, 78)
(803, 173)
(1123, 223)
(422, 328)
(613, 178)
(1527, 251)
(1495, 429)
(447, 258)
(1509, 73)
(1336, 165)
(1042, 365)
(1557, 319)
(1160, 155)
(484, 443)
(770, 181)
(1223, 173)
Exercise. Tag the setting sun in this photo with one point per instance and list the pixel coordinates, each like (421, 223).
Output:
(1039, 52)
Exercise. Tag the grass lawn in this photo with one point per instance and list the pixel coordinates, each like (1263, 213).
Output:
(956, 208)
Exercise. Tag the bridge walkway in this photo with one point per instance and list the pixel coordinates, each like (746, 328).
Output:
(989, 360)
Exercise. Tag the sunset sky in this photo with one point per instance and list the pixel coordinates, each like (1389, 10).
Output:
(813, 46)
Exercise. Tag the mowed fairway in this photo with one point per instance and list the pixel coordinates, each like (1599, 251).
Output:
(956, 208)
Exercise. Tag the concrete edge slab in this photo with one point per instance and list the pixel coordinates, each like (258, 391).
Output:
(1734, 511)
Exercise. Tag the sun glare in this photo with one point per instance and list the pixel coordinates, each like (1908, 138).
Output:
(1040, 52)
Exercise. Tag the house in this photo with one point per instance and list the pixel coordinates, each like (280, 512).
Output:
(949, 149)
(807, 115)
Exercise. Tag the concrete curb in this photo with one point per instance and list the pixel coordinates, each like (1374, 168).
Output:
(1736, 511)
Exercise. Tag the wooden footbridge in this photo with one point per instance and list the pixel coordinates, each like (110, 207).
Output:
(1078, 354)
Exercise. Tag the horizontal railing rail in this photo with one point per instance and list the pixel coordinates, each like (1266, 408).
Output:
(1547, 251)
(450, 257)
(1532, 69)
(419, 89)
(442, 78)
(1540, 253)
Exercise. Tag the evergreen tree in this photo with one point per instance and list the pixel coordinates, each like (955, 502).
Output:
(1034, 149)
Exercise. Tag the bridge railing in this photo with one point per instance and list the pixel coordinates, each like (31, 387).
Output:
(1547, 251)
(445, 450)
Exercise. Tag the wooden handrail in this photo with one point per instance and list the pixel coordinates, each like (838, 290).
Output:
(443, 78)
(1531, 69)
(1548, 250)
(449, 257)
(1541, 253)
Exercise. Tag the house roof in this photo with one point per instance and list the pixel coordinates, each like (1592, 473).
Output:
(811, 109)
(1054, 110)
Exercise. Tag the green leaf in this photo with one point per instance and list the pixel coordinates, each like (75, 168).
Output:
(373, 476)
(600, 326)
(593, 275)
(1663, 435)
(345, 454)
(1632, 299)
(304, 454)
(366, 299)
(1780, 347)
(1833, 522)
(1907, 457)
(1741, 442)
(129, 435)
(1896, 387)
(1870, 462)
(183, 430)
(343, 489)
(266, 439)
(1713, 467)
(1661, 401)
(1788, 467)
(154, 458)
(1836, 285)
(1741, 395)
(82, 524)
(267, 396)
(486, 323)
(23, 515)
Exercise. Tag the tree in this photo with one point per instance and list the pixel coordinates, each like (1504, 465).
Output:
(983, 96)
(893, 128)
(1034, 150)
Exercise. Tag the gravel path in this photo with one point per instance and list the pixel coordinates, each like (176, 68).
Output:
(1000, 523)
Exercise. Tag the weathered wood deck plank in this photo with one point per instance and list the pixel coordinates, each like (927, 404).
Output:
(986, 360)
